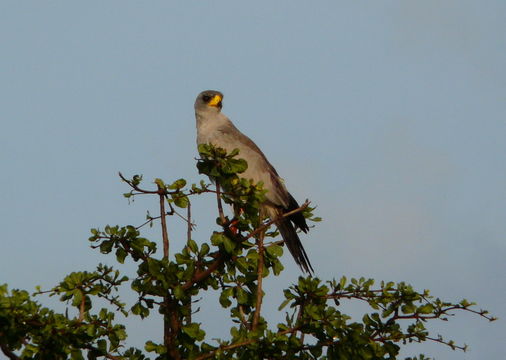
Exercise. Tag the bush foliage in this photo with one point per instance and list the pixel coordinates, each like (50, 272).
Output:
(240, 253)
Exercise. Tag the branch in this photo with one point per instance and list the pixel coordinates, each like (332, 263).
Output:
(188, 238)
(228, 347)
(81, 307)
(135, 187)
(299, 317)
(171, 325)
(272, 221)
(243, 317)
(201, 275)
(260, 274)
(107, 355)
(220, 258)
(369, 295)
(8, 352)
(165, 236)
(419, 339)
(189, 222)
(242, 343)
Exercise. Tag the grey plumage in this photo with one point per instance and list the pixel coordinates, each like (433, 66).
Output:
(213, 127)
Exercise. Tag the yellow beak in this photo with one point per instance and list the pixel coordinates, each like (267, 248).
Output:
(215, 100)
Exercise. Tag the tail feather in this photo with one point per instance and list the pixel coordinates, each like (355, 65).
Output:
(294, 244)
(298, 218)
(287, 227)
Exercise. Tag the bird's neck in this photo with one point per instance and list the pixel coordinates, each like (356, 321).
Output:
(210, 120)
(208, 124)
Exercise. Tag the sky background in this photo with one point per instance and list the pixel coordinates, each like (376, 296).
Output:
(388, 115)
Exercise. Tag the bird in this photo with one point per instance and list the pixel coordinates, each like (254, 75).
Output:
(215, 128)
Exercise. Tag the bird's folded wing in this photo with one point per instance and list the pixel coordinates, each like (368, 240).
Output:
(259, 168)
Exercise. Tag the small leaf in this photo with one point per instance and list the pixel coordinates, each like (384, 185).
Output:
(193, 246)
(178, 184)
(181, 201)
(425, 309)
(193, 331)
(102, 346)
(283, 304)
(241, 295)
(204, 249)
(159, 182)
(274, 250)
(229, 244)
(179, 292)
(106, 246)
(121, 255)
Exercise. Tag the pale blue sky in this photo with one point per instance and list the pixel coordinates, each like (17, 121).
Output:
(390, 116)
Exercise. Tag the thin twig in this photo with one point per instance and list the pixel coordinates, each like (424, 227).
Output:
(272, 221)
(135, 187)
(243, 317)
(189, 222)
(170, 325)
(189, 237)
(201, 275)
(147, 222)
(165, 236)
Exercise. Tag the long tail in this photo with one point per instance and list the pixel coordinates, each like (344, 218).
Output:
(294, 245)
(298, 218)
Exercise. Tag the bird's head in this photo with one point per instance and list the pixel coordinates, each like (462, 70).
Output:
(209, 100)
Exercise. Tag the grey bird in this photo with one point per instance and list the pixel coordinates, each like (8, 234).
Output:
(213, 127)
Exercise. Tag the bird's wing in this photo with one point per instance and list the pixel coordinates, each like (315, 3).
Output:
(259, 168)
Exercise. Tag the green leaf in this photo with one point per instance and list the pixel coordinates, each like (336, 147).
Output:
(178, 184)
(78, 296)
(425, 309)
(193, 331)
(179, 292)
(136, 180)
(204, 249)
(204, 149)
(224, 297)
(193, 246)
(278, 267)
(229, 245)
(283, 304)
(274, 250)
(150, 346)
(102, 346)
(76, 355)
(408, 308)
(217, 238)
(121, 255)
(106, 246)
(159, 182)
(241, 295)
(154, 267)
(181, 201)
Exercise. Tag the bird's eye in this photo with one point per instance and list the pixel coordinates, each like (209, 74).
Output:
(206, 98)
